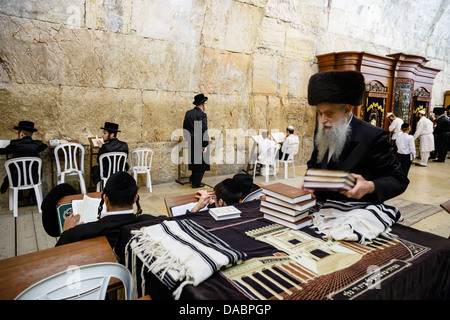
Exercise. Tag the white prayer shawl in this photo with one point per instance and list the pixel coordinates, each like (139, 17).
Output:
(355, 221)
(180, 252)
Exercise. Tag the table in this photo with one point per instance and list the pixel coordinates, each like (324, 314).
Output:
(411, 265)
(18, 273)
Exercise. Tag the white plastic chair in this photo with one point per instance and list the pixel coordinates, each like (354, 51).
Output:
(72, 152)
(114, 160)
(269, 164)
(88, 282)
(141, 162)
(290, 159)
(25, 181)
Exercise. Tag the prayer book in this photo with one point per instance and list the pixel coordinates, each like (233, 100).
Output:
(282, 215)
(283, 209)
(181, 209)
(286, 192)
(287, 205)
(293, 225)
(87, 208)
(328, 180)
(299, 206)
(223, 213)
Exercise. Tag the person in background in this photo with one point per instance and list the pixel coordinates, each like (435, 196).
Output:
(406, 149)
(290, 144)
(424, 132)
(195, 131)
(110, 144)
(23, 146)
(441, 133)
(395, 128)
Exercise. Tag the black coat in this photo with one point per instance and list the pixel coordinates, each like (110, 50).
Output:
(25, 147)
(442, 134)
(113, 145)
(367, 152)
(108, 226)
(196, 134)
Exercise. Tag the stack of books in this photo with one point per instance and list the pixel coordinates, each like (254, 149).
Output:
(287, 205)
(328, 180)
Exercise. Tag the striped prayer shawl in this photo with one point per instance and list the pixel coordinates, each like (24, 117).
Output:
(355, 221)
(180, 252)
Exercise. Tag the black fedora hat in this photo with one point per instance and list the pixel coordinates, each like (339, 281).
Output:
(199, 99)
(110, 126)
(26, 125)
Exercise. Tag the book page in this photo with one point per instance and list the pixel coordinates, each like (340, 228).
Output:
(181, 209)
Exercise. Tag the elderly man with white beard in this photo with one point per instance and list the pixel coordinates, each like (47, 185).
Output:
(344, 142)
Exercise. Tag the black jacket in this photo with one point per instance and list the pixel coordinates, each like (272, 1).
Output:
(196, 134)
(367, 152)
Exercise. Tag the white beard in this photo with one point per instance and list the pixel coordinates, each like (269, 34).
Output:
(336, 136)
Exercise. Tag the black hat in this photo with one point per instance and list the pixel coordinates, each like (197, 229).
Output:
(438, 111)
(199, 99)
(120, 181)
(246, 183)
(26, 125)
(109, 126)
(232, 185)
(336, 87)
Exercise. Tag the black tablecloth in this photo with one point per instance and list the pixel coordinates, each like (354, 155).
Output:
(411, 265)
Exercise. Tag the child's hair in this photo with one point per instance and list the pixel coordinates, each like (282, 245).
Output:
(229, 191)
(405, 127)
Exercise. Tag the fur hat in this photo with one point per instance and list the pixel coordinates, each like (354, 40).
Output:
(336, 87)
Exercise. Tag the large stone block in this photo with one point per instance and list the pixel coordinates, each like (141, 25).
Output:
(266, 74)
(179, 21)
(231, 25)
(225, 72)
(56, 11)
(83, 111)
(109, 15)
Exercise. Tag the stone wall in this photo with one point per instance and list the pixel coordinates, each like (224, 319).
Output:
(72, 65)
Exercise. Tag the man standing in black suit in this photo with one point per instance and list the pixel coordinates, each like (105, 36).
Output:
(24, 146)
(344, 142)
(441, 133)
(110, 144)
(195, 131)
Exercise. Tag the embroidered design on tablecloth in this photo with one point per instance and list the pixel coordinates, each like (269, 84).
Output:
(308, 267)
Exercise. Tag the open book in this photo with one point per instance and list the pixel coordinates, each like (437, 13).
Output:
(87, 208)
(181, 209)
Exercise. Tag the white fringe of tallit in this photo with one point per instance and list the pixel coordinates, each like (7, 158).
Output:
(179, 252)
(355, 221)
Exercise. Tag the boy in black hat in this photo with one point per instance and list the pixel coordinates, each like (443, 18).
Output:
(110, 144)
(344, 142)
(23, 146)
(119, 196)
(195, 131)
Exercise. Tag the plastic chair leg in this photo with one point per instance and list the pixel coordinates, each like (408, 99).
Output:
(16, 203)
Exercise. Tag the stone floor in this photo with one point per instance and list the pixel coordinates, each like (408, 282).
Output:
(429, 186)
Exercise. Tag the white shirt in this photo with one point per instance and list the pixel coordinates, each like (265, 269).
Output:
(290, 144)
(266, 151)
(424, 131)
(405, 144)
(396, 128)
(105, 214)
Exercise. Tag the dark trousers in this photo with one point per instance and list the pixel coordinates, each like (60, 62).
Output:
(196, 178)
(405, 162)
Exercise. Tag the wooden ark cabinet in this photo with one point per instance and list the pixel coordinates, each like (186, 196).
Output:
(397, 83)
